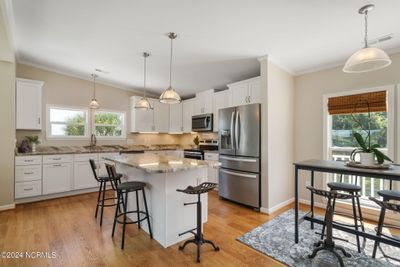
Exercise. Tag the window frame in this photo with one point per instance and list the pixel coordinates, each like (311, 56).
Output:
(124, 126)
(49, 136)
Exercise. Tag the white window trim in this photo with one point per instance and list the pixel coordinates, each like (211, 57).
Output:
(48, 124)
(393, 98)
(124, 128)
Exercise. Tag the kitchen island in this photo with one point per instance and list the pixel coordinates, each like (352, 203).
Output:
(163, 175)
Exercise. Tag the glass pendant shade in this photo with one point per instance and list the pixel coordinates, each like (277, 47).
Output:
(143, 103)
(170, 96)
(94, 104)
(367, 59)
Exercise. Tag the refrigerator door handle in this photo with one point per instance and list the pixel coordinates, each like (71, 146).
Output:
(237, 132)
(239, 174)
(232, 128)
(238, 159)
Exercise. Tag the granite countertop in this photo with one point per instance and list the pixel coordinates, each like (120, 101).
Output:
(53, 150)
(161, 164)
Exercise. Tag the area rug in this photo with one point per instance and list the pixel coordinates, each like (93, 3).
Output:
(276, 239)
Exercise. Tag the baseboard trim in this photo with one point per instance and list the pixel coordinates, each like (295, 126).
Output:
(316, 204)
(7, 207)
(277, 207)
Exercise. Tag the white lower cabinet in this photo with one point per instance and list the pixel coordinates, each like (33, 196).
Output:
(28, 189)
(57, 178)
(83, 174)
(212, 173)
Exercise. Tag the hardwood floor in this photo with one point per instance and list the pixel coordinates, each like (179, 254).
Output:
(67, 227)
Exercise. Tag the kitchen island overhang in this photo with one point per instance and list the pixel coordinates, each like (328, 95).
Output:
(163, 175)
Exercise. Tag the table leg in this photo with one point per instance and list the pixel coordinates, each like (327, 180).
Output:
(312, 199)
(296, 205)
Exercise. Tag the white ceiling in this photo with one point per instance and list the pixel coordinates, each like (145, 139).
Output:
(218, 41)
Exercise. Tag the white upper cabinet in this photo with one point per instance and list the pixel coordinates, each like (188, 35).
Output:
(161, 117)
(221, 100)
(187, 113)
(28, 104)
(204, 102)
(155, 120)
(175, 118)
(245, 92)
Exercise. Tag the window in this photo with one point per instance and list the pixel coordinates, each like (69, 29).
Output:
(344, 116)
(63, 122)
(109, 124)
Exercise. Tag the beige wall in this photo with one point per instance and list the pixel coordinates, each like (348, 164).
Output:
(277, 140)
(310, 89)
(66, 90)
(280, 136)
(7, 108)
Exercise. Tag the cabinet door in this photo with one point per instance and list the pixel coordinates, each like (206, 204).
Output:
(255, 92)
(239, 94)
(28, 104)
(161, 117)
(83, 175)
(175, 118)
(187, 113)
(142, 120)
(198, 105)
(57, 178)
(221, 100)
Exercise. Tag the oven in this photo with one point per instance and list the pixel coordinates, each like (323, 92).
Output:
(202, 123)
(193, 154)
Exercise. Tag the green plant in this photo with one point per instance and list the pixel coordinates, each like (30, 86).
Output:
(366, 147)
(34, 139)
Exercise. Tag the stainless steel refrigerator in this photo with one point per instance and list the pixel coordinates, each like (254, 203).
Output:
(239, 133)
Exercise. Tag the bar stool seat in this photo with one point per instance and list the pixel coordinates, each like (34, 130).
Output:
(131, 186)
(389, 194)
(344, 187)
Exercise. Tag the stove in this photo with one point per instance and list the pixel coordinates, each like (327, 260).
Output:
(204, 145)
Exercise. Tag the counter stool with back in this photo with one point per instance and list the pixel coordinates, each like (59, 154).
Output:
(101, 199)
(198, 235)
(123, 189)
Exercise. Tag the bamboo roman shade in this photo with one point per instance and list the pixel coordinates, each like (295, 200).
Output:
(357, 103)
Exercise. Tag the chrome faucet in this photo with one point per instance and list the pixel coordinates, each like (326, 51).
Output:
(93, 140)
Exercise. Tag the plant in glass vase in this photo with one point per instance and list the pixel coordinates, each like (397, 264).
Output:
(33, 141)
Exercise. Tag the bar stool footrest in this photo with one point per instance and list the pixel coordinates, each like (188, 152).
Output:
(131, 222)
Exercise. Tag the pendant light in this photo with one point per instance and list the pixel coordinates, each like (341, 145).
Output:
(144, 103)
(94, 104)
(368, 58)
(170, 96)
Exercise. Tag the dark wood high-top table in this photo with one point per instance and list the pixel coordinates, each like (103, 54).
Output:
(338, 167)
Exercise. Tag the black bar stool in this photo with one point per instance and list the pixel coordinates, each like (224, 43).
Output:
(355, 191)
(122, 190)
(387, 195)
(328, 243)
(102, 191)
(198, 235)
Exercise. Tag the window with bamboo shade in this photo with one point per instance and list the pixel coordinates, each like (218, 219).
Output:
(359, 103)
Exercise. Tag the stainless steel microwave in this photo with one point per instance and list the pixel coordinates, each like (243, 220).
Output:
(202, 123)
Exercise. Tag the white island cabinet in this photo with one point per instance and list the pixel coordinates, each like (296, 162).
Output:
(57, 174)
(163, 175)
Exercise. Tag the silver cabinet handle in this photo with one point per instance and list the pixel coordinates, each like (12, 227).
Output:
(240, 174)
(28, 173)
(238, 159)
(28, 160)
(28, 189)
(56, 165)
(56, 158)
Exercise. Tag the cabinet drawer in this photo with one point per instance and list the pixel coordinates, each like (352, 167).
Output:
(211, 156)
(85, 157)
(28, 160)
(28, 189)
(57, 159)
(28, 173)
